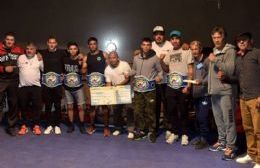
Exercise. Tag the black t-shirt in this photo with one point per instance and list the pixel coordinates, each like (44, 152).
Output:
(96, 63)
(53, 61)
(71, 66)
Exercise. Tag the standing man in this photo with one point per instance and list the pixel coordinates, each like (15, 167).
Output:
(30, 88)
(74, 66)
(222, 60)
(247, 71)
(96, 64)
(200, 94)
(117, 73)
(147, 72)
(52, 84)
(178, 64)
(162, 47)
(9, 78)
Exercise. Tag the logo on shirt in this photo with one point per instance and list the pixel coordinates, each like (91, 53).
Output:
(176, 58)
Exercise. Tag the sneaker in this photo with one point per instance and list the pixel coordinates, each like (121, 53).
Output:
(229, 154)
(37, 130)
(195, 141)
(172, 138)
(23, 130)
(91, 130)
(116, 133)
(130, 135)
(245, 159)
(152, 137)
(167, 134)
(184, 140)
(57, 130)
(71, 128)
(257, 165)
(11, 131)
(107, 132)
(202, 144)
(48, 130)
(82, 129)
(217, 147)
(139, 136)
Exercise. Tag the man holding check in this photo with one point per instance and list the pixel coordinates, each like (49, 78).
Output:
(117, 73)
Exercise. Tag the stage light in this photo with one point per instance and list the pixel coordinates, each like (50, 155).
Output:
(111, 45)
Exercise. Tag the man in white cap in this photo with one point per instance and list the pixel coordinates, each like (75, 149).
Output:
(161, 46)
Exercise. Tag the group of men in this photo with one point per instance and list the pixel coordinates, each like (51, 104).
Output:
(163, 73)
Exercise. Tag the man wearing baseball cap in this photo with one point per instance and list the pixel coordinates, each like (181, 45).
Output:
(178, 63)
(161, 46)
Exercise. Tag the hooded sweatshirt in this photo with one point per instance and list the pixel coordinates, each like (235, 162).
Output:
(148, 66)
(225, 61)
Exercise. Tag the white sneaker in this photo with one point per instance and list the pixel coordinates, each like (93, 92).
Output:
(167, 134)
(48, 130)
(257, 165)
(244, 159)
(57, 130)
(130, 135)
(172, 138)
(116, 133)
(184, 140)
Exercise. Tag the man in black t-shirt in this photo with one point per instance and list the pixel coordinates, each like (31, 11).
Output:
(52, 84)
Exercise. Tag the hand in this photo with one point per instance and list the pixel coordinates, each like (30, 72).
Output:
(9, 69)
(185, 46)
(258, 103)
(136, 52)
(162, 56)
(220, 75)
(126, 75)
(197, 82)
(212, 57)
(39, 57)
(158, 79)
(185, 90)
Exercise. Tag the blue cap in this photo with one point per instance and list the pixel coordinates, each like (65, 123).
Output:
(175, 33)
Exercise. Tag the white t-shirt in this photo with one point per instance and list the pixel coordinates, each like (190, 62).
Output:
(116, 75)
(29, 71)
(178, 60)
(164, 48)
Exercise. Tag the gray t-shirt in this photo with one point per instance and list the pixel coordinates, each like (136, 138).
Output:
(178, 61)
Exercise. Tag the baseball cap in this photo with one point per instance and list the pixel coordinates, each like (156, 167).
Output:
(158, 29)
(175, 33)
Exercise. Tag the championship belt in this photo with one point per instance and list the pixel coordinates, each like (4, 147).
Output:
(143, 84)
(51, 79)
(96, 79)
(175, 80)
(73, 80)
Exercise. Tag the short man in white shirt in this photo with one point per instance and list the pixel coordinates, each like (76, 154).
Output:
(116, 73)
(30, 68)
(178, 64)
(162, 47)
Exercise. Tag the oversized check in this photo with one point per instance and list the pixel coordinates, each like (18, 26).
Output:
(110, 95)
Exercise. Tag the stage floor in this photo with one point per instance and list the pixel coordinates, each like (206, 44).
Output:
(82, 151)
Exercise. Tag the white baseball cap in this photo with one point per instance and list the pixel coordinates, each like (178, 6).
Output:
(158, 29)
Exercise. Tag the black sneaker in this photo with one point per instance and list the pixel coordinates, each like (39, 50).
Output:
(202, 144)
(229, 154)
(82, 129)
(195, 141)
(70, 128)
(11, 131)
(139, 136)
(217, 147)
(152, 137)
